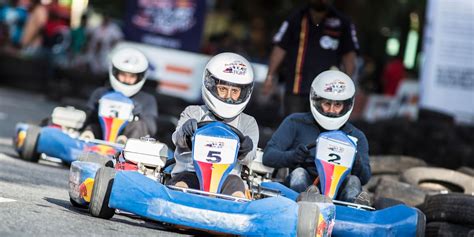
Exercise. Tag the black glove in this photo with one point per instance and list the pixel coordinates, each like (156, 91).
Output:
(246, 145)
(187, 129)
(300, 154)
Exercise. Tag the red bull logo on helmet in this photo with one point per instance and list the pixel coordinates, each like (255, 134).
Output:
(236, 67)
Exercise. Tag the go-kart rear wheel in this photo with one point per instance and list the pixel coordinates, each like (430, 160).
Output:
(96, 158)
(99, 205)
(28, 150)
(309, 212)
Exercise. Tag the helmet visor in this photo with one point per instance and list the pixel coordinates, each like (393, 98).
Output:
(331, 108)
(228, 92)
(127, 78)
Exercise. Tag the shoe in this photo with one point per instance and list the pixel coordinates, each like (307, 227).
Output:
(121, 139)
(87, 135)
(363, 199)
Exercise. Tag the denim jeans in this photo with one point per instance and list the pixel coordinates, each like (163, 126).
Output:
(299, 179)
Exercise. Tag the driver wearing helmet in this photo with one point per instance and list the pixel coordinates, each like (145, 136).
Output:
(226, 90)
(127, 74)
(332, 99)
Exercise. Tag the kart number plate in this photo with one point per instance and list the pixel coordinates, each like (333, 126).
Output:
(115, 109)
(335, 152)
(216, 150)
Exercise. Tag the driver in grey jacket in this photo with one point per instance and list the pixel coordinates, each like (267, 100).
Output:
(226, 90)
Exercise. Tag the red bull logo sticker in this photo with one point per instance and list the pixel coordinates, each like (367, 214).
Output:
(236, 67)
(85, 189)
(335, 87)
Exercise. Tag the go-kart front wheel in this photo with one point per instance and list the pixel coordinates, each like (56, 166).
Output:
(27, 147)
(99, 205)
(310, 207)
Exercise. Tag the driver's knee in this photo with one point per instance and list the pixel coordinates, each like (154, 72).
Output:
(234, 186)
(299, 179)
(136, 129)
(350, 188)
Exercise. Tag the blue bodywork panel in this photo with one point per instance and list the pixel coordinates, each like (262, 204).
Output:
(400, 220)
(135, 193)
(55, 143)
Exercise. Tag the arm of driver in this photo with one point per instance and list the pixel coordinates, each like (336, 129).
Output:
(277, 153)
(178, 137)
(361, 167)
(250, 128)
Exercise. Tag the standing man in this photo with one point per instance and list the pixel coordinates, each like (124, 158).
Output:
(313, 39)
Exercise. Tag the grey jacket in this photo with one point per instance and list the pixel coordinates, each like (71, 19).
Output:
(245, 123)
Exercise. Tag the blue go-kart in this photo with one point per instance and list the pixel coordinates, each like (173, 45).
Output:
(270, 208)
(62, 139)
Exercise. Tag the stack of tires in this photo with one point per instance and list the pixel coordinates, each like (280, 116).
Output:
(449, 214)
(444, 196)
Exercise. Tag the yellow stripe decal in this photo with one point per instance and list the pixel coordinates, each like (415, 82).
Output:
(217, 172)
(336, 176)
(114, 129)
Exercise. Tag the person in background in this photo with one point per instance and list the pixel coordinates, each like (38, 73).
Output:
(313, 39)
(331, 103)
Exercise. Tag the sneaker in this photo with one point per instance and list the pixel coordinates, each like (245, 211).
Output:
(363, 199)
(87, 135)
(121, 139)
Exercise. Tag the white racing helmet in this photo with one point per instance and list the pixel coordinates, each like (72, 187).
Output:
(132, 61)
(227, 69)
(332, 86)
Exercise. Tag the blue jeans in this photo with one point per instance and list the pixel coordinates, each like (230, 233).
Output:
(299, 179)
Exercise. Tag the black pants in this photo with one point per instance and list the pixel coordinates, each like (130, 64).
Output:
(296, 104)
(232, 184)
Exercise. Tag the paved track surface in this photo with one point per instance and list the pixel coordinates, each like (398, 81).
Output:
(33, 196)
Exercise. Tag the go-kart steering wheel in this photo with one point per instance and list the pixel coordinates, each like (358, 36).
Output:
(204, 123)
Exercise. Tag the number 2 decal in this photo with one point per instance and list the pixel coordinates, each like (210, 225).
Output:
(335, 158)
(214, 156)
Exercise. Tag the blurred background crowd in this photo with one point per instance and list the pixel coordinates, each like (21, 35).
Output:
(60, 47)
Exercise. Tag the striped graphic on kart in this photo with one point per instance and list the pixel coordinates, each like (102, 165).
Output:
(331, 178)
(112, 127)
(211, 175)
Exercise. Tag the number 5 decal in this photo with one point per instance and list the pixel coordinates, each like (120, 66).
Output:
(335, 158)
(214, 156)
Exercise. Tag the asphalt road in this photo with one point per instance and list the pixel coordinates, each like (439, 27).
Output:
(34, 200)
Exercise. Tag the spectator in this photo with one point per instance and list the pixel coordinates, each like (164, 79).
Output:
(15, 17)
(311, 40)
(32, 37)
(102, 40)
(393, 74)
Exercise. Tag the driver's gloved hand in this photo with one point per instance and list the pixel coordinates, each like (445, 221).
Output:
(246, 145)
(300, 154)
(189, 127)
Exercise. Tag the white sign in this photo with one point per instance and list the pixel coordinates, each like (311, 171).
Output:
(180, 72)
(115, 109)
(216, 150)
(335, 152)
(447, 74)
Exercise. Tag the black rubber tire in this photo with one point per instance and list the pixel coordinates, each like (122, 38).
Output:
(449, 178)
(99, 205)
(455, 208)
(404, 192)
(308, 213)
(96, 158)
(444, 229)
(29, 152)
(75, 204)
(393, 164)
(421, 224)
